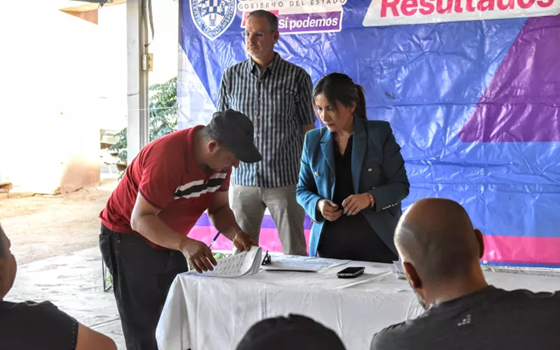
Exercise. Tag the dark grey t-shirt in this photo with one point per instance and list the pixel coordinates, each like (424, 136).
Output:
(489, 319)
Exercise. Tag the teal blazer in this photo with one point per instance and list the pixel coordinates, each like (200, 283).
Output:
(377, 168)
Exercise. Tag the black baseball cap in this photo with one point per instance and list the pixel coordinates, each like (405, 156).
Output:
(234, 131)
(294, 332)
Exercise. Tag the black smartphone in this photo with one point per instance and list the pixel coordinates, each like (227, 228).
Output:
(351, 272)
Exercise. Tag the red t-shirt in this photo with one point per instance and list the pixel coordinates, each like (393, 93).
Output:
(168, 176)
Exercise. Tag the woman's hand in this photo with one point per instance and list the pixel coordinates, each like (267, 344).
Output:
(329, 209)
(356, 203)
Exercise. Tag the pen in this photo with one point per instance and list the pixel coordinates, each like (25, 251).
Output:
(215, 238)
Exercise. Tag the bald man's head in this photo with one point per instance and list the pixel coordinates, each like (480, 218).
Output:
(437, 237)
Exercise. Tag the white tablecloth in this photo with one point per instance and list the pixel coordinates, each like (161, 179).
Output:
(204, 313)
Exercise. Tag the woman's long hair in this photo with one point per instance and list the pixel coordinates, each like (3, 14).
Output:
(340, 87)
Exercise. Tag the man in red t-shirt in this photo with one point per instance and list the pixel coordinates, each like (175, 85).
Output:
(145, 225)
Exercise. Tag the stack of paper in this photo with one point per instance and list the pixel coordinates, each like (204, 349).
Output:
(237, 265)
(301, 264)
(398, 270)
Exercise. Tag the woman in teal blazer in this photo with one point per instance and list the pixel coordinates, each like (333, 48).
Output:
(352, 177)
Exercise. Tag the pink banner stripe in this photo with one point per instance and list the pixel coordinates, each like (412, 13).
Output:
(522, 250)
(268, 239)
(505, 249)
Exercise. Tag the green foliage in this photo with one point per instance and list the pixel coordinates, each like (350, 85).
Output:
(121, 146)
(162, 118)
(163, 109)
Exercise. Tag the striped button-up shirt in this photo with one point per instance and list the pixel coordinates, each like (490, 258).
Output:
(278, 102)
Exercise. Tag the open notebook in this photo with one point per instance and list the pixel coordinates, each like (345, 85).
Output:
(301, 263)
(237, 265)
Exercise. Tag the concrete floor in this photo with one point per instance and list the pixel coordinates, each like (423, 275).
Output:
(73, 282)
(55, 241)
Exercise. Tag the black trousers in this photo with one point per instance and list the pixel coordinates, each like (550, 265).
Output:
(142, 276)
(352, 238)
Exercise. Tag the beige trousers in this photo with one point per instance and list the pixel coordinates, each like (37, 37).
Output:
(249, 204)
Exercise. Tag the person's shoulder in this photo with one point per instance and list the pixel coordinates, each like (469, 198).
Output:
(388, 337)
(392, 330)
(236, 68)
(43, 307)
(32, 311)
(527, 296)
(407, 335)
(379, 129)
(45, 324)
(294, 67)
(173, 139)
(381, 125)
(522, 302)
(313, 136)
(168, 147)
(28, 305)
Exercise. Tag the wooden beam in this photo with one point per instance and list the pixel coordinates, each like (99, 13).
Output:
(91, 16)
(92, 6)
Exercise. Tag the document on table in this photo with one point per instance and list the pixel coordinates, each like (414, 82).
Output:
(301, 263)
(398, 270)
(237, 265)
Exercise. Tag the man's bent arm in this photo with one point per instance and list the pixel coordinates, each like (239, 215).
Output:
(222, 216)
(145, 221)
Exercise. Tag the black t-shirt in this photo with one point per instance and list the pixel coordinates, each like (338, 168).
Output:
(33, 326)
(490, 319)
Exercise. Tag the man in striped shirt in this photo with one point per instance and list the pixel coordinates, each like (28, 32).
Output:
(276, 96)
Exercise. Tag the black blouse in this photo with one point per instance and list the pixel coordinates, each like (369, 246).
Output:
(350, 237)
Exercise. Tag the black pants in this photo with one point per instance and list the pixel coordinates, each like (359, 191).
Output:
(142, 276)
